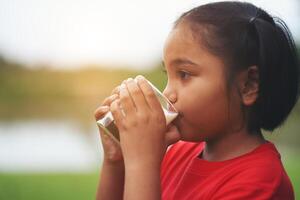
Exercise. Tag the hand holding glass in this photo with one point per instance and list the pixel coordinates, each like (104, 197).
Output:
(109, 127)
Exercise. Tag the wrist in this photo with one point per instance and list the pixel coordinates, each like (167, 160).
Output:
(142, 177)
(142, 166)
(117, 165)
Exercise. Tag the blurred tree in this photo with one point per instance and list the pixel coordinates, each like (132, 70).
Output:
(6, 64)
(2, 62)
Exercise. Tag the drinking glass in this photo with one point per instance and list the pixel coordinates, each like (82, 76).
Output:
(109, 127)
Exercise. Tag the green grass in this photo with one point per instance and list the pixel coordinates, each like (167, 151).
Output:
(48, 186)
(81, 186)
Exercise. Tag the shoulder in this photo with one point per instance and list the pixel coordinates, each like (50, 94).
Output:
(182, 148)
(258, 175)
(181, 153)
(264, 160)
(261, 165)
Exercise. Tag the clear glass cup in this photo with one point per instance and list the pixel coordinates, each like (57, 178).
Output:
(109, 127)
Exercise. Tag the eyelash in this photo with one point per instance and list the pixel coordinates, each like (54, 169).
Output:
(180, 73)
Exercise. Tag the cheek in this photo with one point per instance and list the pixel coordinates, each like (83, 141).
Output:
(205, 106)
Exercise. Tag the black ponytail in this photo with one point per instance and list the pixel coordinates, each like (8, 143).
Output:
(243, 35)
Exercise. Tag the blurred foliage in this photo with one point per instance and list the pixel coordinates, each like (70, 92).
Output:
(44, 93)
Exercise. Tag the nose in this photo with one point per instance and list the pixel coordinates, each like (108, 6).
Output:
(170, 94)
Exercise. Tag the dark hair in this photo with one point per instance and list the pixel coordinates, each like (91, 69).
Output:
(243, 35)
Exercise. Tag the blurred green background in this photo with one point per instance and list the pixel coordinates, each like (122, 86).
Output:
(49, 142)
(54, 95)
(48, 94)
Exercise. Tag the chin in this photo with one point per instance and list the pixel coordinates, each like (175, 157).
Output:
(187, 131)
(188, 134)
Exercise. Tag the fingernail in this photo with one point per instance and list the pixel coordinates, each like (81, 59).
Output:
(129, 79)
(122, 87)
(118, 90)
(140, 77)
(114, 96)
(105, 108)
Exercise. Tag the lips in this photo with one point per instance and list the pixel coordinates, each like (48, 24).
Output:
(177, 119)
(176, 123)
(180, 115)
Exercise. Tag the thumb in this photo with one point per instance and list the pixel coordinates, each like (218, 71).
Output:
(112, 150)
(172, 135)
(108, 143)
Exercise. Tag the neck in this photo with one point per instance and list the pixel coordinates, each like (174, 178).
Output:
(231, 145)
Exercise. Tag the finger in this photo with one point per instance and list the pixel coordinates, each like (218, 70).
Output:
(117, 114)
(149, 93)
(112, 149)
(126, 101)
(137, 95)
(107, 139)
(107, 101)
(116, 90)
(104, 136)
(100, 112)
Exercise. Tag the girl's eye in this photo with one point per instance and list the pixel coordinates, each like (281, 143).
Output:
(183, 75)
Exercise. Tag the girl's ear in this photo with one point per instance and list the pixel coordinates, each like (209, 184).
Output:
(248, 82)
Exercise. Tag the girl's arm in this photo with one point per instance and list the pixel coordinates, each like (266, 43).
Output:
(144, 138)
(142, 182)
(111, 184)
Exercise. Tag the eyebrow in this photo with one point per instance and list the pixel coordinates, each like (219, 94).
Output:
(180, 61)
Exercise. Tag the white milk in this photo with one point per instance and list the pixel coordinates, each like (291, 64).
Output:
(170, 116)
(107, 123)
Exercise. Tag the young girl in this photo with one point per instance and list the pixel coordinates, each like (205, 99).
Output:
(232, 71)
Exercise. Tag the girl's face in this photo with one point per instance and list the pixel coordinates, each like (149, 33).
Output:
(196, 87)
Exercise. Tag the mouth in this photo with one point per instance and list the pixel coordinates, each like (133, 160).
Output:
(180, 115)
(177, 119)
(176, 123)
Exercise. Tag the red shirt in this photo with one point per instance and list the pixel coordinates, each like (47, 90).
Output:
(257, 175)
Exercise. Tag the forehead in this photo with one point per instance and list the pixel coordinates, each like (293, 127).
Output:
(179, 41)
(182, 44)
